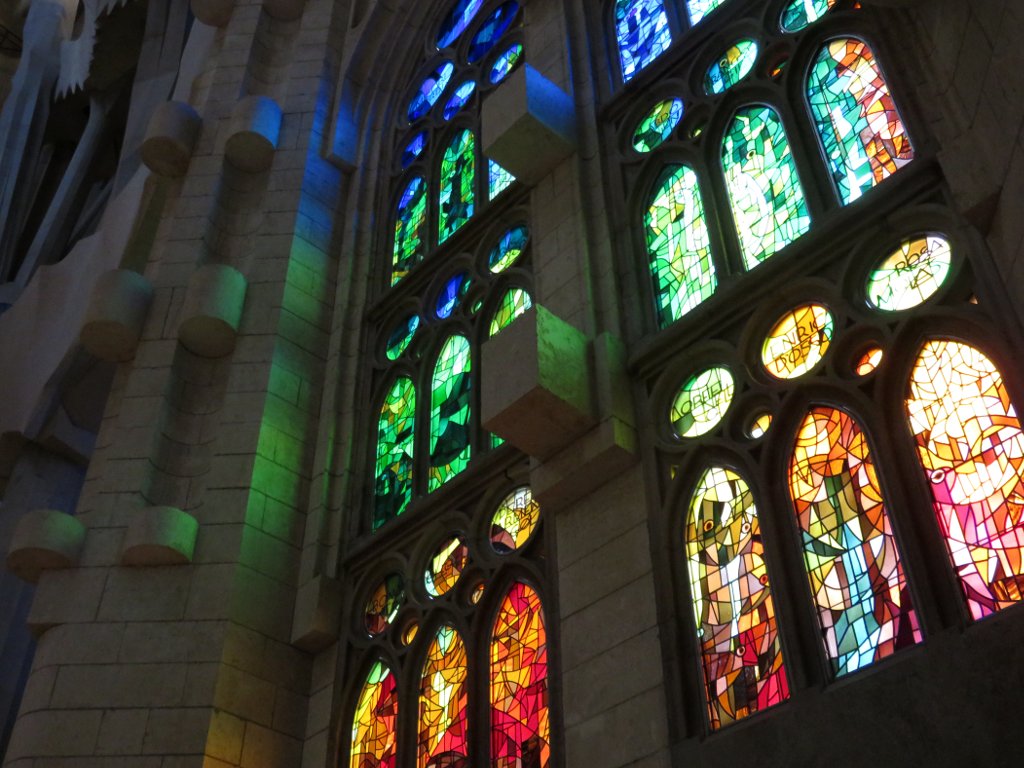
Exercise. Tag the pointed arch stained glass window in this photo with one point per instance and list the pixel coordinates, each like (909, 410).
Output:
(513, 303)
(458, 177)
(450, 412)
(698, 9)
(520, 728)
(410, 229)
(444, 697)
(732, 600)
(498, 179)
(850, 552)
(374, 725)
(800, 14)
(863, 135)
(642, 33)
(971, 447)
(393, 486)
(767, 200)
(678, 245)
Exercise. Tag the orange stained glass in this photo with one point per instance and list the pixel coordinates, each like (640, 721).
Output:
(443, 703)
(520, 729)
(374, 726)
(869, 361)
(760, 425)
(446, 567)
(971, 448)
(514, 521)
(798, 341)
(850, 553)
(732, 600)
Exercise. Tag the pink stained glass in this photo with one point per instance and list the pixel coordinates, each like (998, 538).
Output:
(971, 448)
(520, 728)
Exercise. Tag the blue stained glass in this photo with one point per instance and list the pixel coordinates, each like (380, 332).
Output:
(414, 148)
(498, 179)
(505, 63)
(460, 18)
(508, 250)
(459, 98)
(641, 27)
(452, 294)
(731, 67)
(700, 8)
(492, 30)
(430, 91)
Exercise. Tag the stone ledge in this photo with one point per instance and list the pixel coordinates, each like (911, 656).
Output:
(170, 138)
(255, 129)
(160, 536)
(117, 312)
(212, 311)
(44, 539)
(316, 621)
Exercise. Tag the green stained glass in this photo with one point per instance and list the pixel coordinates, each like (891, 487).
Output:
(731, 67)
(498, 179)
(507, 62)
(458, 175)
(678, 245)
(513, 304)
(767, 200)
(402, 336)
(702, 402)
(410, 229)
(698, 9)
(910, 275)
(450, 412)
(658, 125)
(800, 14)
(508, 250)
(393, 486)
(861, 132)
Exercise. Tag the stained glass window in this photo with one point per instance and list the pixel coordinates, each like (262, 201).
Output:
(492, 30)
(910, 275)
(700, 8)
(800, 14)
(641, 27)
(798, 341)
(678, 245)
(850, 553)
(498, 179)
(513, 304)
(506, 62)
(731, 67)
(449, 412)
(862, 133)
(701, 404)
(459, 99)
(430, 91)
(393, 487)
(971, 448)
(759, 425)
(869, 361)
(767, 200)
(514, 521)
(374, 726)
(410, 229)
(451, 295)
(401, 337)
(508, 250)
(455, 24)
(446, 567)
(732, 600)
(443, 703)
(458, 175)
(520, 728)
(384, 603)
(414, 148)
(658, 125)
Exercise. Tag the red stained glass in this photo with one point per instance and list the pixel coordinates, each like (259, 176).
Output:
(374, 724)
(443, 699)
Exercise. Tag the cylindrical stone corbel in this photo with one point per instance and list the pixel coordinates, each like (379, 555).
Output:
(170, 138)
(43, 540)
(284, 10)
(255, 130)
(215, 13)
(160, 536)
(116, 314)
(212, 311)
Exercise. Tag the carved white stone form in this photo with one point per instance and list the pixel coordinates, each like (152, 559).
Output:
(170, 138)
(213, 310)
(44, 539)
(255, 130)
(160, 536)
(117, 311)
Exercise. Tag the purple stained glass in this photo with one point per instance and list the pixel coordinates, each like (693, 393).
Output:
(430, 91)
(492, 30)
(458, 100)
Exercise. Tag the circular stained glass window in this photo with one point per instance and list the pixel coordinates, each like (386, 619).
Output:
(401, 337)
(508, 250)
(732, 66)
(384, 603)
(868, 361)
(445, 567)
(505, 63)
(430, 91)
(798, 341)
(800, 14)
(702, 402)
(910, 275)
(759, 425)
(458, 100)
(410, 632)
(452, 294)
(492, 30)
(514, 521)
(457, 21)
(658, 125)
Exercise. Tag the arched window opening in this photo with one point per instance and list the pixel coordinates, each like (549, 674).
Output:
(410, 229)
(374, 725)
(458, 175)
(450, 412)
(642, 34)
(698, 9)
(395, 430)
(444, 697)
(850, 553)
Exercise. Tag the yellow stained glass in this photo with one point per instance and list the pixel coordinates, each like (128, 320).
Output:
(798, 341)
